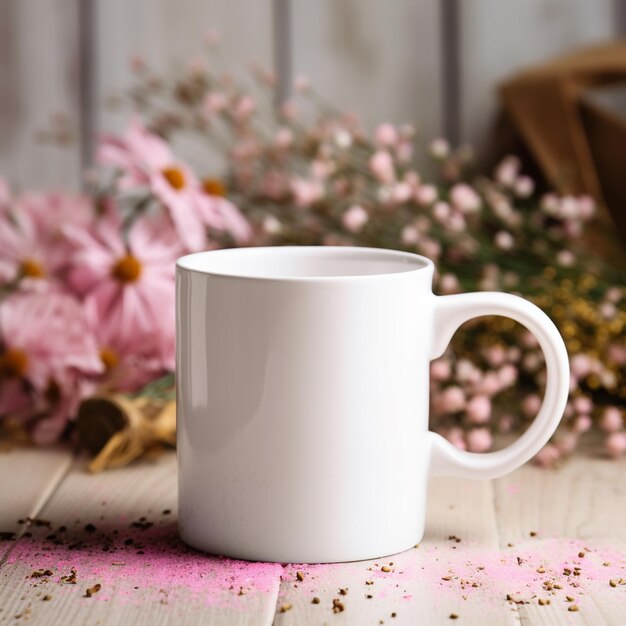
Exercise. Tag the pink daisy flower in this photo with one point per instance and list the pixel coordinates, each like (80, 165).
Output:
(32, 243)
(146, 160)
(47, 360)
(128, 291)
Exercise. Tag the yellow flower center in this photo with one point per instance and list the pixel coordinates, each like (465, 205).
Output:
(214, 187)
(13, 363)
(32, 268)
(109, 357)
(174, 176)
(127, 269)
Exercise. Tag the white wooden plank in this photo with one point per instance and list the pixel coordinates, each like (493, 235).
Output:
(380, 60)
(29, 476)
(168, 34)
(154, 580)
(576, 508)
(414, 589)
(585, 499)
(39, 79)
(500, 37)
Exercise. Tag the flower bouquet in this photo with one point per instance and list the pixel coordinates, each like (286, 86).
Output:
(87, 305)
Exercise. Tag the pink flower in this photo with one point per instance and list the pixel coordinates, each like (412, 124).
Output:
(467, 372)
(582, 423)
(464, 198)
(495, 355)
(611, 419)
(381, 165)
(479, 409)
(586, 207)
(524, 186)
(146, 160)
(479, 440)
(455, 437)
(409, 235)
(452, 400)
(425, 195)
(449, 283)
(531, 405)
(440, 370)
(129, 289)
(441, 211)
(547, 456)
(490, 384)
(272, 225)
(243, 109)
(224, 216)
(581, 365)
(32, 243)
(47, 354)
(386, 135)
(583, 404)
(507, 171)
(401, 192)
(504, 240)
(616, 444)
(283, 137)
(355, 218)
(507, 375)
(430, 247)
(456, 222)
(505, 423)
(306, 192)
(215, 102)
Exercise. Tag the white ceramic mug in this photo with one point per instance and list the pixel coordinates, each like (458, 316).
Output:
(302, 390)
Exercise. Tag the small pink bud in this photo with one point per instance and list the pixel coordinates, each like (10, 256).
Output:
(425, 195)
(381, 165)
(479, 409)
(531, 405)
(524, 186)
(386, 135)
(582, 424)
(616, 444)
(355, 218)
(409, 235)
(449, 284)
(465, 198)
(479, 440)
(583, 404)
(441, 211)
(452, 399)
(504, 240)
(611, 419)
(440, 370)
(547, 456)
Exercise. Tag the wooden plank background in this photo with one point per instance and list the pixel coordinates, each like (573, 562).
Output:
(429, 62)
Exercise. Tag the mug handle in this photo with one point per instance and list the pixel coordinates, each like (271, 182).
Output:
(452, 311)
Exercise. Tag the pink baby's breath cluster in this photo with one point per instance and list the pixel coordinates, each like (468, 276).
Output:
(301, 173)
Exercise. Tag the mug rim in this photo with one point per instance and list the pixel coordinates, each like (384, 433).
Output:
(414, 263)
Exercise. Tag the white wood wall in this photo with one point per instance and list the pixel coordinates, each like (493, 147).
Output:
(387, 61)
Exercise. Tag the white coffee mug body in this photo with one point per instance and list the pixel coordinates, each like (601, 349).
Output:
(302, 398)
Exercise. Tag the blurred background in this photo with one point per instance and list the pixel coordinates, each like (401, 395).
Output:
(434, 63)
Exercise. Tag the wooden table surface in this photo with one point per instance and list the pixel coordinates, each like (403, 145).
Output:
(82, 549)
